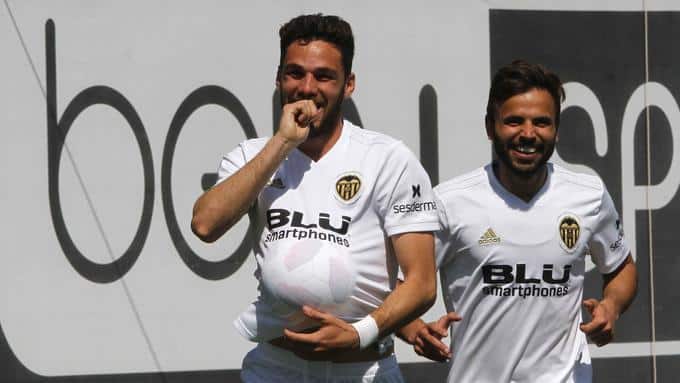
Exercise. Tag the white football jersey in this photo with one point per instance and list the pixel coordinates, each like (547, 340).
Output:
(324, 227)
(514, 272)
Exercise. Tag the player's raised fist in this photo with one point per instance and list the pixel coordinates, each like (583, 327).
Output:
(296, 118)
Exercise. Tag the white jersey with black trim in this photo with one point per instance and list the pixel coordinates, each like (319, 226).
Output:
(514, 271)
(323, 228)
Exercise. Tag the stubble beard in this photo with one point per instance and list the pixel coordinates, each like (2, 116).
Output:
(502, 148)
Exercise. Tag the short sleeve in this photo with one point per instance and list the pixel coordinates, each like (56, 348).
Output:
(404, 194)
(231, 163)
(608, 247)
(442, 241)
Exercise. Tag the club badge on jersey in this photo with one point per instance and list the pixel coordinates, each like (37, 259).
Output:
(348, 187)
(570, 229)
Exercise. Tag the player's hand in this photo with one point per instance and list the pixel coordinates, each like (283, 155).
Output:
(296, 118)
(334, 334)
(427, 341)
(600, 329)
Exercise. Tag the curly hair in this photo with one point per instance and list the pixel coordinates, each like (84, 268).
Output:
(332, 29)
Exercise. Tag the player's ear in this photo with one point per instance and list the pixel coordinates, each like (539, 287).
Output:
(488, 123)
(349, 84)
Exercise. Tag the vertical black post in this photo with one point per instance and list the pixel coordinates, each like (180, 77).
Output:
(429, 143)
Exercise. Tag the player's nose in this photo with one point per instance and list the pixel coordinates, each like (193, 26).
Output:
(528, 130)
(308, 85)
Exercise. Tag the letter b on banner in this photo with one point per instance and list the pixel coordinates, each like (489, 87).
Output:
(56, 136)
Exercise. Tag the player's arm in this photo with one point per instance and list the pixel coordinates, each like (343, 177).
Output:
(426, 338)
(620, 286)
(219, 208)
(607, 247)
(412, 297)
(619, 291)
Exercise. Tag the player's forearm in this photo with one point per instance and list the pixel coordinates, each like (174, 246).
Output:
(621, 286)
(417, 292)
(412, 297)
(218, 209)
(407, 302)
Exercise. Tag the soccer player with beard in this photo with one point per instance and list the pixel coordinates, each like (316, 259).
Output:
(511, 253)
(321, 181)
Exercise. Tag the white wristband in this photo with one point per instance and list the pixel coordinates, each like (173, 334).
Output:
(368, 331)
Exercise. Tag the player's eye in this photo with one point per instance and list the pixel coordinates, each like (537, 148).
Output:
(513, 121)
(324, 76)
(543, 122)
(296, 74)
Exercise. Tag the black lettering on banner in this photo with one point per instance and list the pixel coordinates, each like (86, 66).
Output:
(429, 134)
(206, 95)
(56, 136)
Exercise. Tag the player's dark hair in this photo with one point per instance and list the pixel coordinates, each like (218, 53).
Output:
(520, 77)
(331, 29)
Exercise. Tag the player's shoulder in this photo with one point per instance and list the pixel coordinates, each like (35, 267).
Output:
(369, 139)
(583, 182)
(461, 184)
(248, 148)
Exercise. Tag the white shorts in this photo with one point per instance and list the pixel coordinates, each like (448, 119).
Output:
(269, 364)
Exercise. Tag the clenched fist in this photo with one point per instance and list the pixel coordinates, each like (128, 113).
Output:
(296, 119)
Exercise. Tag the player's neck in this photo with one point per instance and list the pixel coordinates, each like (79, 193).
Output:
(318, 146)
(523, 186)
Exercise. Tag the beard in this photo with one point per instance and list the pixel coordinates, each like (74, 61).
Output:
(326, 124)
(502, 150)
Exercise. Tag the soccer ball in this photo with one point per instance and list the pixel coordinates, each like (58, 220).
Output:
(310, 272)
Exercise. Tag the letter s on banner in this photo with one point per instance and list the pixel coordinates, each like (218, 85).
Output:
(646, 197)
